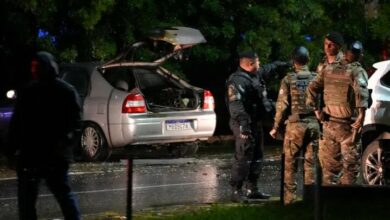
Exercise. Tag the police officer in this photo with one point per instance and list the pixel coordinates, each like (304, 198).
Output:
(246, 100)
(345, 99)
(332, 48)
(302, 129)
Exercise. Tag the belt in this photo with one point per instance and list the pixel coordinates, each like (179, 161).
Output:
(302, 116)
(340, 120)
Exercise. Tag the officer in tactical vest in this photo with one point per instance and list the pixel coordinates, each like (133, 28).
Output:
(302, 128)
(345, 95)
(247, 101)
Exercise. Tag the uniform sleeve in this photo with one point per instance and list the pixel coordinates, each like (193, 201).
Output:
(266, 70)
(360, 87)
(282, 104)
(236, 106)
(314, 90)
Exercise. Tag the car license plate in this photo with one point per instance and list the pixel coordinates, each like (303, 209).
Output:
(178, 125)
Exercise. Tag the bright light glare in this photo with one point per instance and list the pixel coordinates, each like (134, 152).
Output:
(11, 94)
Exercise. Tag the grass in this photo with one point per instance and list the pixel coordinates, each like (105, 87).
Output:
(342, 209)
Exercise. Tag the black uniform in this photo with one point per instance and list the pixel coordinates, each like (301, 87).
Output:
(247, 101)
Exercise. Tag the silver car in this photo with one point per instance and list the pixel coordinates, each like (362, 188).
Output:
(376, 128)
(137, 103)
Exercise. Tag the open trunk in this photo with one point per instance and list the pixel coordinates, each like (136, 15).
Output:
(164, 94)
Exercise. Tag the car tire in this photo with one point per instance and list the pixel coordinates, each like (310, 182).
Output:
(372, 167)
(93, 143)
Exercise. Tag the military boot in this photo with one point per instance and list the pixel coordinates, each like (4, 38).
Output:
(252, 192)
(255, 194)
(238, 196)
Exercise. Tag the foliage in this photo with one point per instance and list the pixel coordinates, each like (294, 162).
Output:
(100, 29)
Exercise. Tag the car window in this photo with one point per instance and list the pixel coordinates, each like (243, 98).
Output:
(120, 78)
(77, 77)
(150, 80)
(386, 79)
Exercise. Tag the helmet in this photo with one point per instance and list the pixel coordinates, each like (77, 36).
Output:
(300, 55)
(356, 47)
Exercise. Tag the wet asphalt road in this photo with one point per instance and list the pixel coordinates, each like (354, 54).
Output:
(102, 187)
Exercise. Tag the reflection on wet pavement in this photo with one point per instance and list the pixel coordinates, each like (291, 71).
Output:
(101, 187)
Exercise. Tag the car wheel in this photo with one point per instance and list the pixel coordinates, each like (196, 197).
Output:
(372, 167)
(93, 143)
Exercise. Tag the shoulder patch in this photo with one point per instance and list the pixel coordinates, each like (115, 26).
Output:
(233, 94)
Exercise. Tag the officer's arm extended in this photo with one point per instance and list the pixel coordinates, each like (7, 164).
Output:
(266, 70)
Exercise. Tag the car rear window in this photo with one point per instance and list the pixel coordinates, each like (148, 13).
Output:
(77, 77)
(150, 80)
(120, 74)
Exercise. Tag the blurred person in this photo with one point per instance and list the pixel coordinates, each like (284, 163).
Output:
(345, 97)
(247, 100)
(299, 122)
(42, 132)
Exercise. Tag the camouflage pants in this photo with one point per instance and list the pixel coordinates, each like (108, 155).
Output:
(338, 154)
(300, 137)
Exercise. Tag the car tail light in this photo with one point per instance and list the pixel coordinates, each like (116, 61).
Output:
(208, 100)
(134, 103)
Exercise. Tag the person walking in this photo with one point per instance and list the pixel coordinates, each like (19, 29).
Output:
(247, 100)
(302, 127)
(43, 130)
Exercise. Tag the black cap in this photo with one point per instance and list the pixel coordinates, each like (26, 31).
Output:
(335, 37)
(248, 54)
(356, 47)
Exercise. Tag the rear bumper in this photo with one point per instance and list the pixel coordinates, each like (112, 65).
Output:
(144, 129)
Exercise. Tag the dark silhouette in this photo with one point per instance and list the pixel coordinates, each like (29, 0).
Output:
(42, 133)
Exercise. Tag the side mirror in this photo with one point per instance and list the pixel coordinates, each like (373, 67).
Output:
(11, 94)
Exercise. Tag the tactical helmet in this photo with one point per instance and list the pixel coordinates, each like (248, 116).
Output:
(356, 47)
(300, 55)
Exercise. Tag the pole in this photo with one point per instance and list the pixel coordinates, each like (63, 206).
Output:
(318, 185)
(129, 188)
(282, 180)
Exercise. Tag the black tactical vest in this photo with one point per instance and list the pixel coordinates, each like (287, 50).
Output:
(253, 95)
